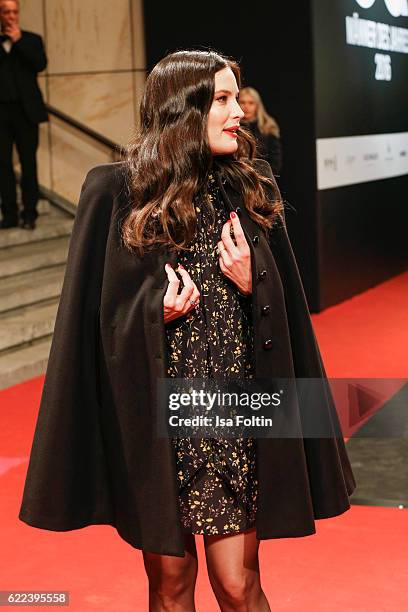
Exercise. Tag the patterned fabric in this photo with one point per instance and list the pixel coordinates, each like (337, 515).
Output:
(217, 477)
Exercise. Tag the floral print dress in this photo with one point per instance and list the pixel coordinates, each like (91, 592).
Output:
(216, 477)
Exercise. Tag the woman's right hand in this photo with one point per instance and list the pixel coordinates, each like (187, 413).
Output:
(176, 305)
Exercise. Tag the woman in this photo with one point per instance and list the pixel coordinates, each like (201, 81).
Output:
(189, 198)
(262, 126)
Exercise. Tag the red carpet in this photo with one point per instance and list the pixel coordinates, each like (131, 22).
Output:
(357, 561)
(367, 336)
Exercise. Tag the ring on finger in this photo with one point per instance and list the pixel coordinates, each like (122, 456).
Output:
(193, 302)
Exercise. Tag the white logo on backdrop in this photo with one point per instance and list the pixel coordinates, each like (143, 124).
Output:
(397, 8)
(378, 35)
(365, 3)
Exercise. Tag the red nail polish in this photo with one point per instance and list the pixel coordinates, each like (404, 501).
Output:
(233, 215)
(182, 267)
(168, 264)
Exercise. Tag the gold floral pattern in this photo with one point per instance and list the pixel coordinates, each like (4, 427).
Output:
(217, 477)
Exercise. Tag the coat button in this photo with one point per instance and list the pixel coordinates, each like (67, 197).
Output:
(238, 211)
(266, 309)
(255, 239)
(262, 274)
(268, 344)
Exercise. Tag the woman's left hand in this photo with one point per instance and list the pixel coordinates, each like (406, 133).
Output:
(235, 259)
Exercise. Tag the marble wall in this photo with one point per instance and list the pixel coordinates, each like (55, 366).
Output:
(95, 74)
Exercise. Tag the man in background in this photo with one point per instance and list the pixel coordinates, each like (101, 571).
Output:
(22, 108)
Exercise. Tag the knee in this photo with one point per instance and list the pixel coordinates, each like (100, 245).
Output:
(236, 590)
(170, 586)
(169, 591)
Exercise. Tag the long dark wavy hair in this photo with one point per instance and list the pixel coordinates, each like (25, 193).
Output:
(169, 160)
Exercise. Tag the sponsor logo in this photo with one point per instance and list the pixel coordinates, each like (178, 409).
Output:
(330, 163)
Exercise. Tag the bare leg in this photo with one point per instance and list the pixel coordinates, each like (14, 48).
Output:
(172, 579)
(233, 570)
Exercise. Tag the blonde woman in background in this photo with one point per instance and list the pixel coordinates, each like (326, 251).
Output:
(262, 126)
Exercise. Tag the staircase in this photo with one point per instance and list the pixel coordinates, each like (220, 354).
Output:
(32, 265)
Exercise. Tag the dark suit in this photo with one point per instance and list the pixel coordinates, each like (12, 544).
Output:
(21, 110)
(96, 458)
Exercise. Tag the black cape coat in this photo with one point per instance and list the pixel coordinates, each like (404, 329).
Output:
(95, 458)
